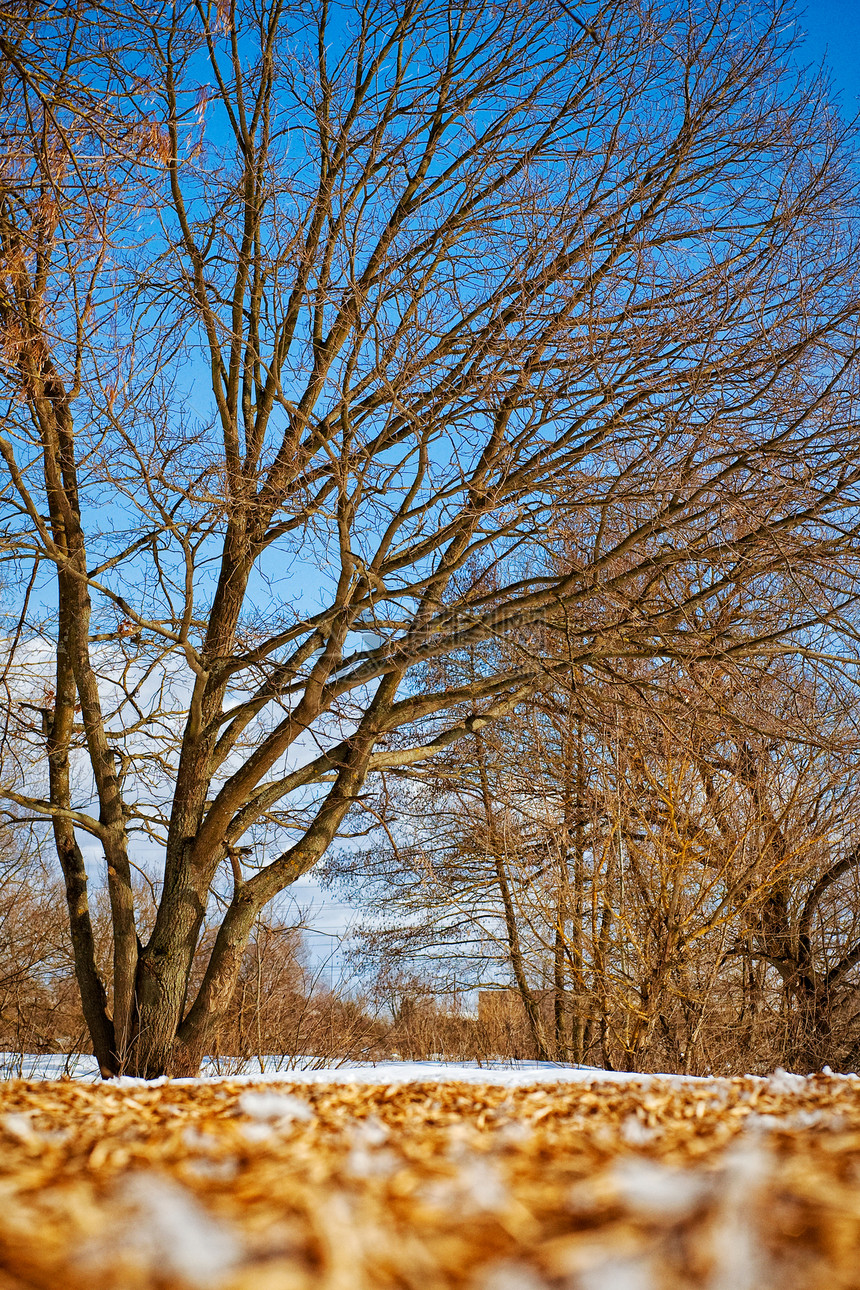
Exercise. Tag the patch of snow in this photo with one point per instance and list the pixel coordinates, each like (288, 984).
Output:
(195, 1140)
(740, 1260)
(816, 1118)
(257, 1132)
(782, 1082)
(365, 1163)
(39, 1066)
(275, 1107)
(477, 1188)
(365, 1159)
(658, 1191)
(513, 1134)
(632, 1273)
(19, 1124)
(635, 1133)
(513, 1074)
(169, 1234)
(484, 1188)
(508, 1275)
(214, 1170)
(369, 1132)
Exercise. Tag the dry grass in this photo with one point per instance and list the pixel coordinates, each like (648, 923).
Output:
(725, 1184)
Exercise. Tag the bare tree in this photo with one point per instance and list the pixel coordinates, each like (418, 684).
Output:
(680, 884)
(307, 308)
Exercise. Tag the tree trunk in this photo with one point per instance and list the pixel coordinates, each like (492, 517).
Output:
(515, 954)
(162, 981)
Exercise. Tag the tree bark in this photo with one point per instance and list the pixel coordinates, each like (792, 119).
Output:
(515, 954)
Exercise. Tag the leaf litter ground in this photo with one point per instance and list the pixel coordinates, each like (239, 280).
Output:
(740, 1184)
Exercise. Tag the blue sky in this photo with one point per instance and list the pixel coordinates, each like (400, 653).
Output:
(833, 35)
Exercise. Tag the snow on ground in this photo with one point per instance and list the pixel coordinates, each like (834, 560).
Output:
(307, 1070)
(41, 1066)
(513, 1074)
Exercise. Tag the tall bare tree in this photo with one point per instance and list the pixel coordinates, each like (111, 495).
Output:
(307, 307)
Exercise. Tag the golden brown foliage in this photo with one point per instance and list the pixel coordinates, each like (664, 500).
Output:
(430, 1185)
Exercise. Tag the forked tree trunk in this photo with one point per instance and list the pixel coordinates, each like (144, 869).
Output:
(162, 985)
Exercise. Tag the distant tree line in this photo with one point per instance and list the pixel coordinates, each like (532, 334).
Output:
(664, 869)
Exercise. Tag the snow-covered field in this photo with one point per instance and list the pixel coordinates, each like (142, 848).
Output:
(427, 1176)
(33, 1066)
(307, 1070)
